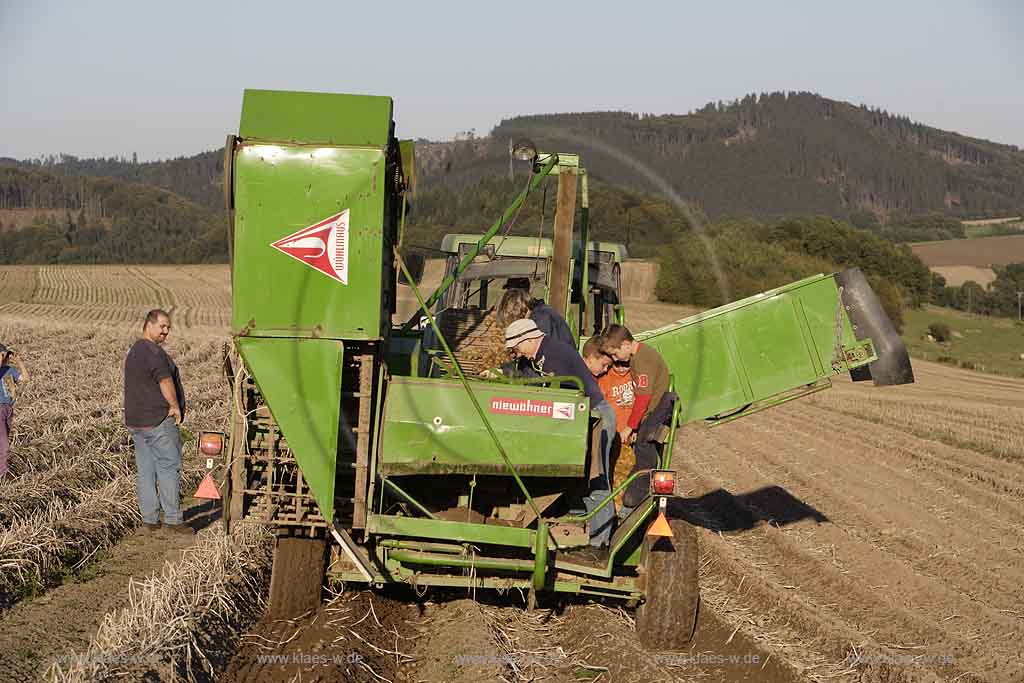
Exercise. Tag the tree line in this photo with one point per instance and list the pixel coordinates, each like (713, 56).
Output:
(732, 259)
(998, 299)
(103, 220)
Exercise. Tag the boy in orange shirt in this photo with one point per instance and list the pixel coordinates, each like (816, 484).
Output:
(618, 385)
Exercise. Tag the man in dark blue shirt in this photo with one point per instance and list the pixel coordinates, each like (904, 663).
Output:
(551, 357)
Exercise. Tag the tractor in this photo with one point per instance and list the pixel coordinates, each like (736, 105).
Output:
(373, 447)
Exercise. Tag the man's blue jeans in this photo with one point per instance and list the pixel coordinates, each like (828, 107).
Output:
(600, 485)
(158, 460)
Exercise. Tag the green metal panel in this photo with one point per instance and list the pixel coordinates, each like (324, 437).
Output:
(758, 348)
(458, 532)
(316, 118)
(281, 189)
(430, 426)
(301, 382)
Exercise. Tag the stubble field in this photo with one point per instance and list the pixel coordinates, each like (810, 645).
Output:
(861, 534)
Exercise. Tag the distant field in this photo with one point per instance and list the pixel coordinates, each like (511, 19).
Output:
(992, 226)
(957, 275)
(199, 296)
(989, 344)
(992, 229)
(983, 252)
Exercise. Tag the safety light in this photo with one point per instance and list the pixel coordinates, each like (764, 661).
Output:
(523, 150)
(663, 482)
(211, 443)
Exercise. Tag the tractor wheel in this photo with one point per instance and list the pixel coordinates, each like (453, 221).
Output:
(667, 618)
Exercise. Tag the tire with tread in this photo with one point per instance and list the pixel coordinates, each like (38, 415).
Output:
(667, 618)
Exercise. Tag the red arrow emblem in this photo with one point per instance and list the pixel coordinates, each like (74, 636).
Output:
(323, 246)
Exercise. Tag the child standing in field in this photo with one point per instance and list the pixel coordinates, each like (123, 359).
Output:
(11, 369)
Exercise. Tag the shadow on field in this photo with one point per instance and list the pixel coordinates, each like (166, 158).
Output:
(203, 514)
(722, 511)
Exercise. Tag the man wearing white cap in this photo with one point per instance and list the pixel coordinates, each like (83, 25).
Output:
(553, 357)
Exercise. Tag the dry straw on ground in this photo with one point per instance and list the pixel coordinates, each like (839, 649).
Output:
(219, 582)
(70, 489)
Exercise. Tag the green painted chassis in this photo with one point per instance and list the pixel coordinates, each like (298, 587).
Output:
(455, 554)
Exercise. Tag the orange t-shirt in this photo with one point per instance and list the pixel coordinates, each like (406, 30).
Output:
(619, 390)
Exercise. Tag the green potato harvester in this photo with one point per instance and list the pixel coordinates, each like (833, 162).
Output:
(372, 445)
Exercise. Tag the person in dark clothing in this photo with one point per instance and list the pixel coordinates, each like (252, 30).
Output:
(517, 304)
(552, 357)
(154, 406)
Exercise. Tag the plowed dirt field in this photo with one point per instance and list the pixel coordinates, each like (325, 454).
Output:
(860, 534)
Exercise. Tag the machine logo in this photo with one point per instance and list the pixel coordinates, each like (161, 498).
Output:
(564, 411)
(529, 407)
(323, 246)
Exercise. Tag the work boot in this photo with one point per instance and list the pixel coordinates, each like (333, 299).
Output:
(152, 526)
(183, 529)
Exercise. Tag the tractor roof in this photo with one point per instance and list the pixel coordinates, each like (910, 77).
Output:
(526, 246)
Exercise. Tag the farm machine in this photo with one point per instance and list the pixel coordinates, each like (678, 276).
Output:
(377, 452)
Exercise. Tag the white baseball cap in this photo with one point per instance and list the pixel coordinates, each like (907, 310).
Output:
(519, 331)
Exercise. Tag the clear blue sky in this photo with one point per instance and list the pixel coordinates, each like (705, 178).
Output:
(166, 78)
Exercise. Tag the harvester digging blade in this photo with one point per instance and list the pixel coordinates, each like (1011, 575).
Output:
(870, 321)
(297, 576)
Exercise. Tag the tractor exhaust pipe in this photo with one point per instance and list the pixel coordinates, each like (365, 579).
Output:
(870, 321)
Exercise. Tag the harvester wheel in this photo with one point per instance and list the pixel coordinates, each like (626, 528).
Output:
(667, 618)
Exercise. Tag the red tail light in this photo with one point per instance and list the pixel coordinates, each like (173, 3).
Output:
(211, 443)
(663, 482)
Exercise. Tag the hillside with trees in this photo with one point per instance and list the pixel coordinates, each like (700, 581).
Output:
(103, 220)
(767, 155)
(197, 177)
(738, 173)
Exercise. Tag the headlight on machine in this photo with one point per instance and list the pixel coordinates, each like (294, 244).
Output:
(211, 444)
(663, 482)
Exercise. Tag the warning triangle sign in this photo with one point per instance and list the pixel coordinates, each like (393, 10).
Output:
(660, 527)
(207, 489)
(323, 246)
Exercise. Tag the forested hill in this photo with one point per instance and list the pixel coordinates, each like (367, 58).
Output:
(768, 155)
(196, 177)
(48, 218)
(761, 156)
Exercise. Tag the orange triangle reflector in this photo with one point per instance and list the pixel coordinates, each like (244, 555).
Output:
(207, 489)
(660, 527)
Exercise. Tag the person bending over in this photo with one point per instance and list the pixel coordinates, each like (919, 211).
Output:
(551, 357)
(517, 304)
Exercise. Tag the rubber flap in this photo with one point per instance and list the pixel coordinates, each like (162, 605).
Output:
(870, 321)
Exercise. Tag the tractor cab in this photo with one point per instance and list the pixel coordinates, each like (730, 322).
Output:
(467, 311)
(525, 262)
